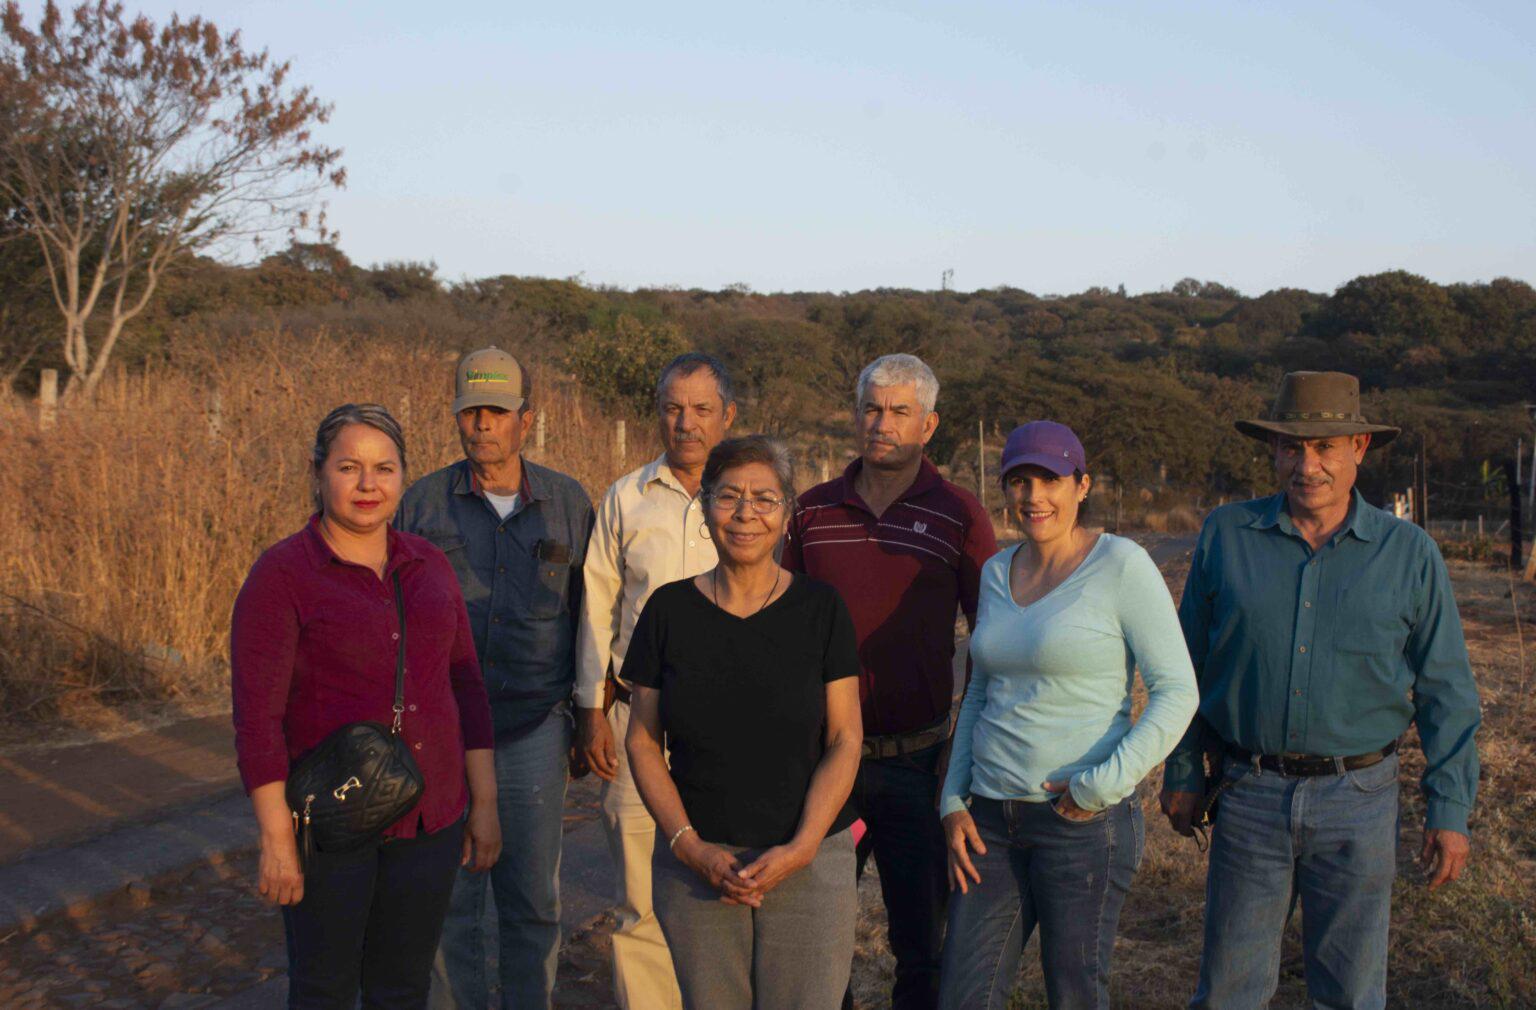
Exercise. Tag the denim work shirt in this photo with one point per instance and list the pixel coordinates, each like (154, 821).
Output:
(521, 578)
(1330, 652)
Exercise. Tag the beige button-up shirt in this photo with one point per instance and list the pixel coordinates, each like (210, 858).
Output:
(649, 532)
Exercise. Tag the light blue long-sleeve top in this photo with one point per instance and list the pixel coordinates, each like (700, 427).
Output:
(1050, 691)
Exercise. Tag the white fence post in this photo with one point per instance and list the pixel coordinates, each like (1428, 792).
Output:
(48, 399)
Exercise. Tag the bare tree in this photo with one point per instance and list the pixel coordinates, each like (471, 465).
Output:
(126, 145)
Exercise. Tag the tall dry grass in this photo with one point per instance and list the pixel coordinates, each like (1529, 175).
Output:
(126, 530)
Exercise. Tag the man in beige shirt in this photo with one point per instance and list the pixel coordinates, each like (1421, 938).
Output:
(649, 531)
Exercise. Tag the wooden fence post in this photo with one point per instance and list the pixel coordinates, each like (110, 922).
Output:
(48, 399)
(1516, 528)
(538, 431)
(215, 414)
(619, 448)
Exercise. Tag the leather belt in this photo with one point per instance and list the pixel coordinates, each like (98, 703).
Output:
(614, 691)
(901, 744)
(1308, 765)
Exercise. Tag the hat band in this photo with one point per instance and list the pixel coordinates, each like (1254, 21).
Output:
(1317, 415)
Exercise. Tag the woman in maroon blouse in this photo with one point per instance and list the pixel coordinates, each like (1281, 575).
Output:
(312, 647)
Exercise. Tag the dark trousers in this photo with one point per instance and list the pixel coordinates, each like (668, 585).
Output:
(897, 797)
(370, 922)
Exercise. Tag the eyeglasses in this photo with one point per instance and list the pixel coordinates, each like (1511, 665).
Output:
(729, 503)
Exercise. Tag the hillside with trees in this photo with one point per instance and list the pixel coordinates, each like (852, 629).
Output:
(1151, 380)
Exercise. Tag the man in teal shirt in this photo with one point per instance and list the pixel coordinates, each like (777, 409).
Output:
(1320, 627)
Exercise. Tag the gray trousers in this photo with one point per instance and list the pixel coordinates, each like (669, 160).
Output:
(793, 953)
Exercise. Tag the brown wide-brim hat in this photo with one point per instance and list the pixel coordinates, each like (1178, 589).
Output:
(1317, 405)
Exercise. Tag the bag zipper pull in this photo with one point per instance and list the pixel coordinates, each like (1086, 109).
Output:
(309, 836)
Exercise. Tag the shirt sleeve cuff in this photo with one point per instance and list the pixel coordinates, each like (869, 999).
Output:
(257, 771)
(1447, 815)
(1083, 796)
(589, 695)
(951, 804)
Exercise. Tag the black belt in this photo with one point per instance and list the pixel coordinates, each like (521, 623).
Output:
(901, 744)
(1307, 765)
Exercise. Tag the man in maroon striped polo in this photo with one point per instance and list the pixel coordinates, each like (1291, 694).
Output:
(905, 548)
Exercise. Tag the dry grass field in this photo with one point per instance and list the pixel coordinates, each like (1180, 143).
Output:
(1471, 944)
(127, 528)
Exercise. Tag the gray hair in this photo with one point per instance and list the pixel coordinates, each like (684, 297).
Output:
(685, 365)
(734, 452)
(374, 415)
(899, 370)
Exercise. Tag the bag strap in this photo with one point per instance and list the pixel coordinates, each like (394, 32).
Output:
(399, 659)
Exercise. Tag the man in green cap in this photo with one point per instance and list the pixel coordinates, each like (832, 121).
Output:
(1320, 628)
(515, 533)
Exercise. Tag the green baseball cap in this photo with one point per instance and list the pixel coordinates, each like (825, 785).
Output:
(489, 377)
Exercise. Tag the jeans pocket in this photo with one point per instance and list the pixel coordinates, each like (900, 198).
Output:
(1096, 816)
(1375, 778)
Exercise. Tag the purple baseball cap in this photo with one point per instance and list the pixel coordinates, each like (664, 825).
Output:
(1044, 444)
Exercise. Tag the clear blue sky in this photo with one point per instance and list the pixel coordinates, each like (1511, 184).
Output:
(811, 146)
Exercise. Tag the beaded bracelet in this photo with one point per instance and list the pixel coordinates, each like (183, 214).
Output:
(672, 845)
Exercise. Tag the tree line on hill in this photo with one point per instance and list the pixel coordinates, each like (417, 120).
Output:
(1152, 381)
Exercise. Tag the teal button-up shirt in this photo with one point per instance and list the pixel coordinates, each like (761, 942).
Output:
(1329, 652)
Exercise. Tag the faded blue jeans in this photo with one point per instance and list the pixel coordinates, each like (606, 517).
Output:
(1068, 877)
(1329, 841)
(525, 883)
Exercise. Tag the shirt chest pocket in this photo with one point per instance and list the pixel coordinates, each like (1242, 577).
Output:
(456, 549)
(550, 580)
(1370, 623)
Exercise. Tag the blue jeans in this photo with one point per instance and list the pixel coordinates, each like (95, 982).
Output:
(1330, 841)
(1068, 877)
(530, 797)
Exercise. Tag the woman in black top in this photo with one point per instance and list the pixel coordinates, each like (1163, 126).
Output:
(750, 673)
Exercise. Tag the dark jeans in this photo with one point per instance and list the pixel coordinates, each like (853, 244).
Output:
(897, 799)
(1068, 877)
(370, 921)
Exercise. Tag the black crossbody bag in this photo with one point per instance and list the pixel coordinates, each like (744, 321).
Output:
(357, 781)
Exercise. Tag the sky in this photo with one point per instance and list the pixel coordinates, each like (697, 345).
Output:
(820, 146)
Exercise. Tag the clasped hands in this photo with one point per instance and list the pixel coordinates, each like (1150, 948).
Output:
(737, 884)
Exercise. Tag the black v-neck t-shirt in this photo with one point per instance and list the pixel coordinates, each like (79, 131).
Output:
(743, 702)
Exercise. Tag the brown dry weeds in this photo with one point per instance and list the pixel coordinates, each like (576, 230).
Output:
(126, 530)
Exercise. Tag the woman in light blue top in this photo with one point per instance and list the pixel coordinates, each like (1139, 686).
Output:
(1039, 804)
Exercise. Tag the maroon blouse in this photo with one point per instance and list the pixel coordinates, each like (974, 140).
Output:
(312, 648)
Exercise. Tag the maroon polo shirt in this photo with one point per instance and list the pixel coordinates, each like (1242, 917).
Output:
(312, 648)
(902, 576)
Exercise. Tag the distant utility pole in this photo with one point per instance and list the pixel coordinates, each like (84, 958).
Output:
(947, 279)
(981, 458)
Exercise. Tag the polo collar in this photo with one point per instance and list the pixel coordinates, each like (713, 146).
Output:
(402, 550)
(928, 478)
(1363, 520)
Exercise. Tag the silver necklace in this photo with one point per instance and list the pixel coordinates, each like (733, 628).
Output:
(714, 584)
